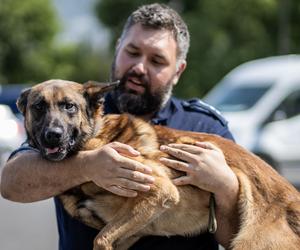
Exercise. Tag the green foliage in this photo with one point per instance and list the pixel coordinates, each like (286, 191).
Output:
(29, 53)
(77, 62)
(224, 33)
(26, 27)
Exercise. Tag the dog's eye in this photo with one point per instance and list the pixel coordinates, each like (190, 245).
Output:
(38, 106)
(70, 107)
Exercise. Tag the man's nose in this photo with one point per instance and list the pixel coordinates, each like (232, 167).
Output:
(140, 68)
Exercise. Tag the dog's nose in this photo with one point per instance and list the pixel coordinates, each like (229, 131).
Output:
(53, 135)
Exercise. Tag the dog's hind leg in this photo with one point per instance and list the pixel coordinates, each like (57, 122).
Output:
(136, 214)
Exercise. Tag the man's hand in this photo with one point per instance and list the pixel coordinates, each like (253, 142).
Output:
(111, 168)
(206, 168)
(204, 164)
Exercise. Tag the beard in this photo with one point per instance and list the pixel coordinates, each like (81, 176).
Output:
(130, 101)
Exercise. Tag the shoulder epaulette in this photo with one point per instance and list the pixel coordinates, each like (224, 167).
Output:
(200, 106)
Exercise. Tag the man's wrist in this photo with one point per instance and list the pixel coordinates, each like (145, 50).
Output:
(83, 165)
(227, 196)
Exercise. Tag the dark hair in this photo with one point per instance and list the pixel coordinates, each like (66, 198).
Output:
(160, 16)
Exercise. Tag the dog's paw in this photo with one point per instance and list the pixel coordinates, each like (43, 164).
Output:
(102, 244)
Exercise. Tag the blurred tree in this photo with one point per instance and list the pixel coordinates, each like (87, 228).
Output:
(28, 52)
(26, 29)
(77, 62)
(224, 33)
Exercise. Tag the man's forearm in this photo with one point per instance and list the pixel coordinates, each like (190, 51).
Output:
(28, 177)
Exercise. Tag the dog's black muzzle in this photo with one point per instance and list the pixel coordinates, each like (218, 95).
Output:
(54, 143)
(53, 136)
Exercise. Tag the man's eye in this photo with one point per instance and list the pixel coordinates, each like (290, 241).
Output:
(132, 53)
(157, 62)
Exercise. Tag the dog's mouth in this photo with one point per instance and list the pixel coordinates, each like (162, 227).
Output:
(58, 153)
(54, 154)
(53, 150)
(56, 150)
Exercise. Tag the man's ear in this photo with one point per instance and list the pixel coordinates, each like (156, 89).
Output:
(22, 101)
(118, 43)
(179, 71)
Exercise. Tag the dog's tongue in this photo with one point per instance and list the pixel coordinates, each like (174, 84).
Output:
(51, 150)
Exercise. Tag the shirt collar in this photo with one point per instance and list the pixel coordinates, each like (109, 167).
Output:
(109, 105)
(164, 114)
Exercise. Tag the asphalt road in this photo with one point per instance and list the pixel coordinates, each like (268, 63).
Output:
(33, 226)
(27, 226)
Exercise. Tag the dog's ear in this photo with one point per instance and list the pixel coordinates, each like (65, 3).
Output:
(94, 91)
(22, 101)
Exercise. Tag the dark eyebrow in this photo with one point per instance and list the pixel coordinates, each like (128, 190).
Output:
(67, 99)
(132, 46)
(39, 99)
(159, 56)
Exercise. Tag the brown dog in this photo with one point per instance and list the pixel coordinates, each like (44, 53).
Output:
(63, 117)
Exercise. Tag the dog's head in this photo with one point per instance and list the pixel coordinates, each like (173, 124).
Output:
(60, 116)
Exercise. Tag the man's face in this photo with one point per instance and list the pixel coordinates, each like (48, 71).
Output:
(145, 63)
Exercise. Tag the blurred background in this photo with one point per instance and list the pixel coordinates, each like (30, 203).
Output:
(244, 59)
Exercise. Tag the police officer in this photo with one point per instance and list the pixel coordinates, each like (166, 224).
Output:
(149, 60)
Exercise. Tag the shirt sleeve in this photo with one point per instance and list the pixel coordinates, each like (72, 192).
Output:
(206, 118)
(24, 147)
(214, 126)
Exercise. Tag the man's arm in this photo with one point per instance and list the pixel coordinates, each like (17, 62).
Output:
(27, 177)
(206, 168)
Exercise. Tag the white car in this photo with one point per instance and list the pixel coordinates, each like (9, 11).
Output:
(261, 101)
(11, 132)
(282, 140)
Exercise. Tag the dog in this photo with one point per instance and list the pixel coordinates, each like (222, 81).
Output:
(63, 117)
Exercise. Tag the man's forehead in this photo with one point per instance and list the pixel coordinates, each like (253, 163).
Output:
(138, 33)
(161, 40)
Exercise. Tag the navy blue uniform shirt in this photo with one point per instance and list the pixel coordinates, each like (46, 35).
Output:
(191, 115)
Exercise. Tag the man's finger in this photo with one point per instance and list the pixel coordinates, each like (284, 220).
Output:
(183, 180)
(127, 163)
(135, 176)
(178, 153)
(178, 165)
(124, 149)
(207, 145)
(188, 148)
(131, 185)
(121, 191)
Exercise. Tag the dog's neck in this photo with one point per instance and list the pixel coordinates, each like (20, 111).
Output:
(107, 129)
(126, 129)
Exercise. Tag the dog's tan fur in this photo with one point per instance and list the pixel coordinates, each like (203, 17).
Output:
(269, 207)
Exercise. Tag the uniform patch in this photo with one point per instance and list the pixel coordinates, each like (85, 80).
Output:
(200, 106)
